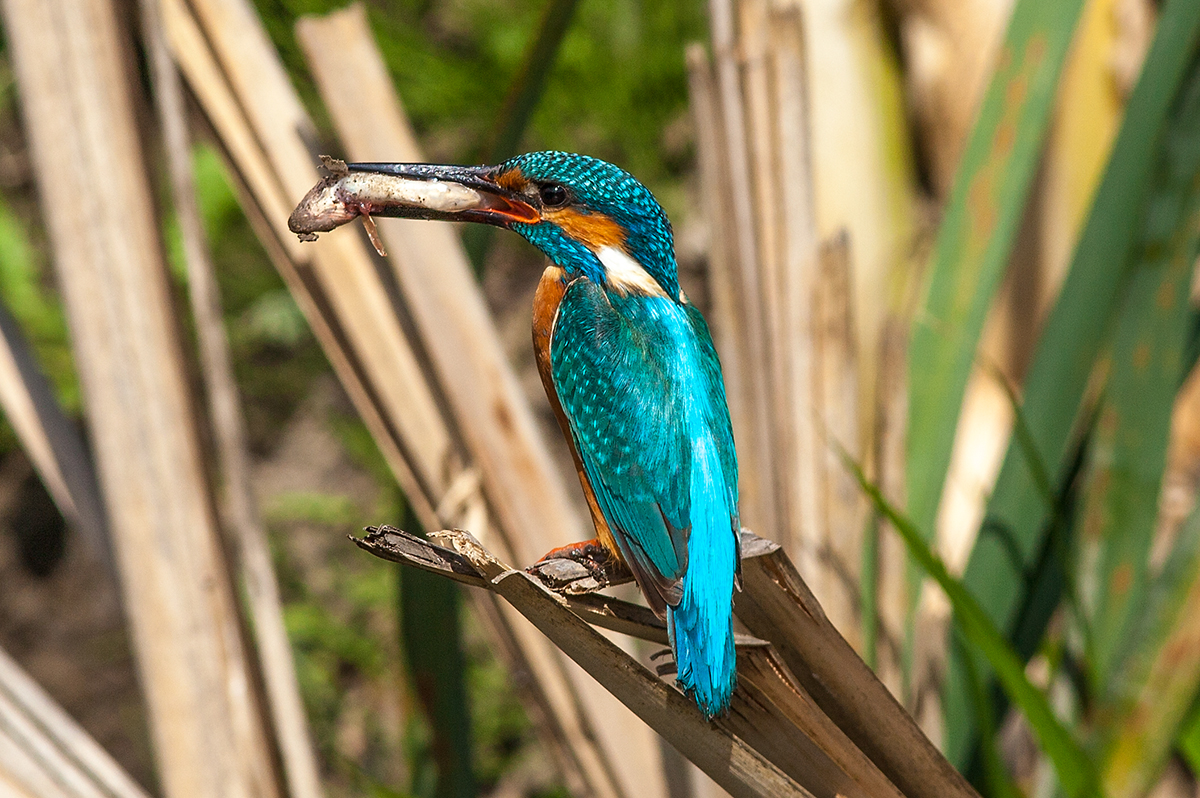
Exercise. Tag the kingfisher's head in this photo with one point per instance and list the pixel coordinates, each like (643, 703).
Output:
(590, 217)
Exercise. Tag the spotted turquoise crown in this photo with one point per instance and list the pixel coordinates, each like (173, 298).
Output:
(597, 187)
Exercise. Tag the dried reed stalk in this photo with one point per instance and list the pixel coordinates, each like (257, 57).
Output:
(209, 738)
(863, 171)
(767, 289)
(279, 682)
(757, 480)
(794, 285)
(806, 708)
(835, 387)
(761, 276)
(51, 440)
(44, 753)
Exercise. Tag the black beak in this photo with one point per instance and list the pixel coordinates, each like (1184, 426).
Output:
(410, 191)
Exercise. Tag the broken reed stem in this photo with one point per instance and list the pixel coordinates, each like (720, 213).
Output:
(44, 752)
(807, 707)
(835, 391)
(762, 280)
(791, 370)
(210, 740)
(756, 481)
(290, 724)
(794, 283)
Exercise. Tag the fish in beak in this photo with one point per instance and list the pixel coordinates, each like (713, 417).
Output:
(409, 191)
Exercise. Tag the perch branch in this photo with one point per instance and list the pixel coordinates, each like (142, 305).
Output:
(799, 722)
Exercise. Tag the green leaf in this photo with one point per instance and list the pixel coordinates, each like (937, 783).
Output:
(976, 237)
(429, 624)
(1189, 740)
(1158, 704)
(1129, 449)
(973, 246)
(431, 639)
(1067, 350)
(1075, 771)
(1000, 784)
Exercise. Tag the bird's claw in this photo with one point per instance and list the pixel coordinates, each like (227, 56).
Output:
(580, 568)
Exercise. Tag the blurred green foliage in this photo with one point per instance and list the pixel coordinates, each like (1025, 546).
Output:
(1097, 400)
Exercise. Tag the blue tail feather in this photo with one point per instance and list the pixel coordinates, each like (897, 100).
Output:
(701, 626)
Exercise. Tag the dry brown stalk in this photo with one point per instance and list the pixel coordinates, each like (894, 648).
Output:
(279, 683)
(836, 394)
(787, 330)
(757, 481)
(44, 753)
(209, 738)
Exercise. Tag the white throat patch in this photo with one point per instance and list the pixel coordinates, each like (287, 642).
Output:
(626, 275)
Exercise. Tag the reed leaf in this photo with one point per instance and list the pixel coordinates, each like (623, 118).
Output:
(1146, 366)
(1066, 352)
(999, 783)
(976, 237)
(1157, 707)
(1189, 740)
(431, 640)
(972, 249)
(1075, 772)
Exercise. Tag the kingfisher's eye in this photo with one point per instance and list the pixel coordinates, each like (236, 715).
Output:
(553, 195)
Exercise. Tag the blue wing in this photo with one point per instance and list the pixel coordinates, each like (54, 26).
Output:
(640, 384)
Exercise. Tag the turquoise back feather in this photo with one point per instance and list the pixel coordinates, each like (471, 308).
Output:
(640, 384)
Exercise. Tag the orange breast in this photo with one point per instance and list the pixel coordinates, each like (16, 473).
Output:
(549, 296)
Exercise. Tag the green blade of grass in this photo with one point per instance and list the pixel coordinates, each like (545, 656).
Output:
(1160, 678)
(1129, 449)
(976, 237)
(429, 607)
(999, 783)
(1075, 772)
(1067, 349)
(868, 591)
(1189, 740)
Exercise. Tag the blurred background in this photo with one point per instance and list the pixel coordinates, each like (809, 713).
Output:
(956, 240)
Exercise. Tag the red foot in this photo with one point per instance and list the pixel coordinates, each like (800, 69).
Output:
(600, 563)
(585, 550)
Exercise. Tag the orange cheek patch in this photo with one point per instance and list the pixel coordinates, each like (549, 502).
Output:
(594, 230)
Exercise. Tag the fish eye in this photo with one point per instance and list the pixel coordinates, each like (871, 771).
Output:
(553, 195)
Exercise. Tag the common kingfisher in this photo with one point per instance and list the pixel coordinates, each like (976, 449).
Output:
(631, 372)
